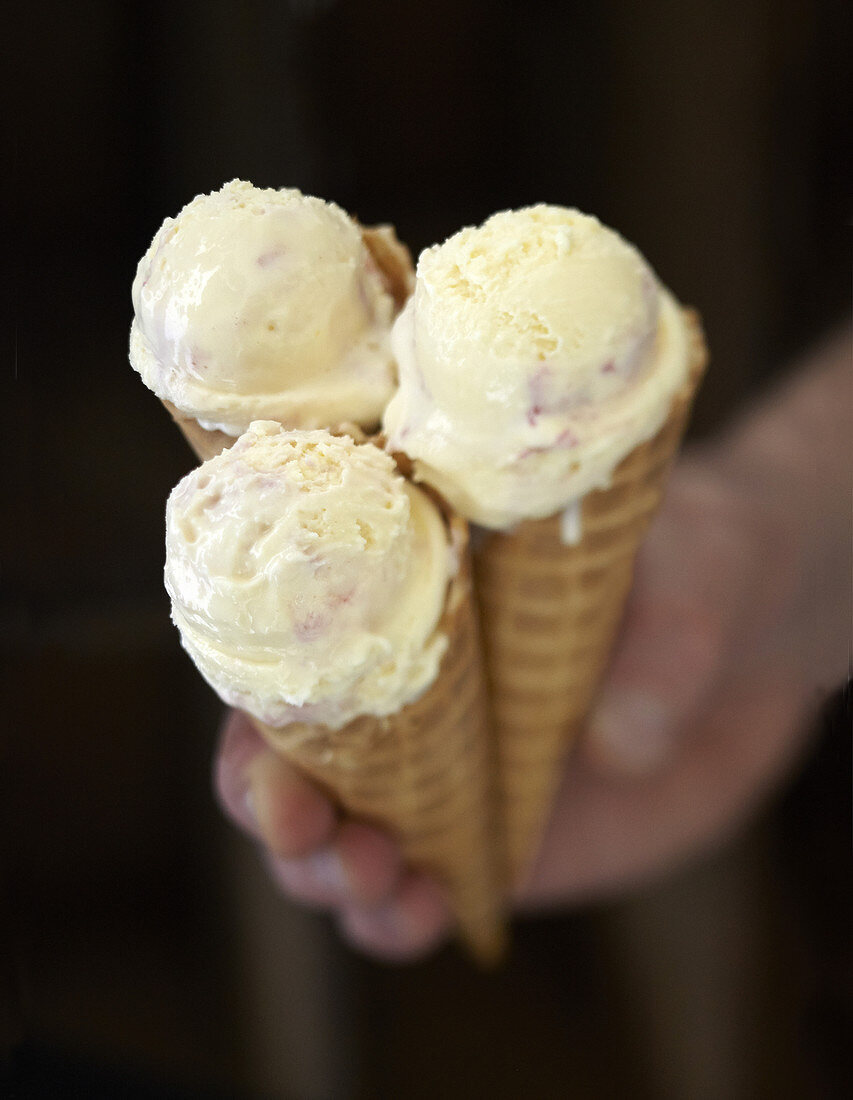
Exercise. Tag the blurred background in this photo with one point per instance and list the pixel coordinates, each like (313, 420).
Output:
(148, 954)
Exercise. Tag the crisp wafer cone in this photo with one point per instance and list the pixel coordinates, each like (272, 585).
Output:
(425, 774)
(393, 260)
(550, 613)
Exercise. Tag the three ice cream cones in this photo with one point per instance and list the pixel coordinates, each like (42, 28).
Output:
(524, 402)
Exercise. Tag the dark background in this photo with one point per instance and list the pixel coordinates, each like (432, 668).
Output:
(148, 954)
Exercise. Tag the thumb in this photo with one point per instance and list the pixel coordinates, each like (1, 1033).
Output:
(663, 666)
(710, 578)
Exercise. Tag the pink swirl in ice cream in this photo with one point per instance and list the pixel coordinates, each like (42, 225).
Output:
(307, 577)
(536, 352)
(263, 304)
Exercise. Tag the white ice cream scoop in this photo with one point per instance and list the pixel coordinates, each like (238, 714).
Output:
(307, 577)
(263, 304)
(536, 352)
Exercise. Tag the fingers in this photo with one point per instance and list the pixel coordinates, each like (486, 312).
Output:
(239, 743)
(400, 920)
(384, 910)
(293, 816)
(348, 866)
(266, 796)
(372, 862)
(412, 924)
(359, 866)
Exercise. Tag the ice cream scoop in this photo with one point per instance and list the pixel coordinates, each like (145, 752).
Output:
(536, 352)
(307, 578)
(264, 304)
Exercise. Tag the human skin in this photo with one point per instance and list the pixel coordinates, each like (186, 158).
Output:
(736, 630)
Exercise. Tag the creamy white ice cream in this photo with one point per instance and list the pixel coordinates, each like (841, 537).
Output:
(263, 304)
(536, 352)
(307, 577)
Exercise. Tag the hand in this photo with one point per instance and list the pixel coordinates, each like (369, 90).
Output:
(705, 705)
(354, 869)
(734, 630)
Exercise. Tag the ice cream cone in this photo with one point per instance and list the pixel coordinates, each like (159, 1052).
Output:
(425, 774)
(394, 262)
(550, 612)
(204, 442)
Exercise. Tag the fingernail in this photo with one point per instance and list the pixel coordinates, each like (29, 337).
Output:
(251, 807)
(325, 868)
(420, 908)
(390, 923)
(414, 918)
(632, 731)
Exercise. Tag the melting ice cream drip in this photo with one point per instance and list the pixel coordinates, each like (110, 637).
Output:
(571, 525)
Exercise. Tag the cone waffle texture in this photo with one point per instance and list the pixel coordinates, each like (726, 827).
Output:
(394, 261)
(425, 774)
(550, 613)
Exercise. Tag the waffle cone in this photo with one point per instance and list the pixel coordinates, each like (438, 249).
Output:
(550, 613)
(425, 774)
(393, 260)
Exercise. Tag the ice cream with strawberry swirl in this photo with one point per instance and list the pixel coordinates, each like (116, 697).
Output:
(307, 577)
(536, 352)
(263, 304)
